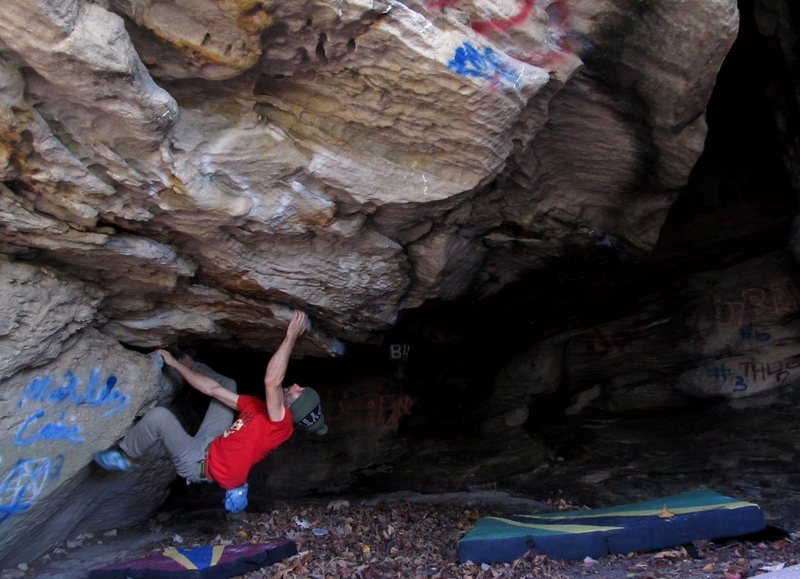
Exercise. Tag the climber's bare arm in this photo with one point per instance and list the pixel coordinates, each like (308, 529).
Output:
(276, 369)
(201, 382)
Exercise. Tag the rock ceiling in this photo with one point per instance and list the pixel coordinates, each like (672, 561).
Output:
(203, 167)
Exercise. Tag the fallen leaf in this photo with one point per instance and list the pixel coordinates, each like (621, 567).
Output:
(777, 567)
(665, 513)
(672, 554)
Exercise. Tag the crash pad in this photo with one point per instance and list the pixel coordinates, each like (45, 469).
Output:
(207, 562)
(644, 526)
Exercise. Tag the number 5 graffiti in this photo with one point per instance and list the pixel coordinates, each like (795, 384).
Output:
(25, 482)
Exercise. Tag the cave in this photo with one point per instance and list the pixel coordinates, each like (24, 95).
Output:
(738, 205)
(549, 257)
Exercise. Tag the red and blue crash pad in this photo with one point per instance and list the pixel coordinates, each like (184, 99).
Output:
(656, 524)
(209, 562)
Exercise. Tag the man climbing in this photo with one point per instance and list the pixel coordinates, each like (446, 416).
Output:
(224, 451)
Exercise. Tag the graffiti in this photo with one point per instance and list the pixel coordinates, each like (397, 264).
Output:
(761, 372)
(50, 421)
(439, 4)
(750, 332)
(740, 385)
(721, 373)
(399, 351)
(487, 65)
(25, 482)
(558, 40)
(388, 416)
(754, 372)
(41, 390)
(372, 411)
(653, 335)
(48, 431)
(486, 26)
(753, 305)
(602, 343)
(724, 374)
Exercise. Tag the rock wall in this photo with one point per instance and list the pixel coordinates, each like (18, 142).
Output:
(176, 170)
(727, 334)
(778, 22)
(353, 158)
(366, 415)
(68, 391)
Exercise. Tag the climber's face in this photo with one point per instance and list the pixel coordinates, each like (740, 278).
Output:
(291, 394)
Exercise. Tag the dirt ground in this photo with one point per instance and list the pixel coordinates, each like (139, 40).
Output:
(400, 537)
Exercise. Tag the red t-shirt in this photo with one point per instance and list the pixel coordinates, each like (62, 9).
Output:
(248, 440)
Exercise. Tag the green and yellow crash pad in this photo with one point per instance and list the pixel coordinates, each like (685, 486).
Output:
(655, 524)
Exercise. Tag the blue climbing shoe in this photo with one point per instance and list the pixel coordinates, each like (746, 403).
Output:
(112, 460)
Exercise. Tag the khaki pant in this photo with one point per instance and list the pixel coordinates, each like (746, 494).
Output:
(185, 451)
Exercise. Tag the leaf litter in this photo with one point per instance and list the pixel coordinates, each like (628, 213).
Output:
(417, 540)
(411, 540)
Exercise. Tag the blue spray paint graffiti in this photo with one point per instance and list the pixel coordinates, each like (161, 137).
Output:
(24, 483)
(756, 373)
(721, 373)
(487, 65)
(20, 487)
(41, 390)
(48, 431)
(750, 332)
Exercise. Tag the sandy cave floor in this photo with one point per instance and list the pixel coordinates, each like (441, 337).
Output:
(404, 536)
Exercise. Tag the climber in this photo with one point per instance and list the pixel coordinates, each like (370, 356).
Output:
(224, 451)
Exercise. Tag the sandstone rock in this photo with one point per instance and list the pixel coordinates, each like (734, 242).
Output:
(91, 83)
(354, 158)
(56, 416)
(729, 334)
(197, 39)
(750, 342)
(34, 334)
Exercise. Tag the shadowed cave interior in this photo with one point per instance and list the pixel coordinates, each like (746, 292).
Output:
(737, 205)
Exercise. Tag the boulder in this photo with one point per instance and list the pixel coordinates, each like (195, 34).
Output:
(727, 334)
(192, 171)
(353, 158)
(54, 417)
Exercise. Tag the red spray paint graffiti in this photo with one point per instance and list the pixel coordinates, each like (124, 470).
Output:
(658, 336)
(486, 26)
(753, 305)
(558, 30)
(375, 412)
